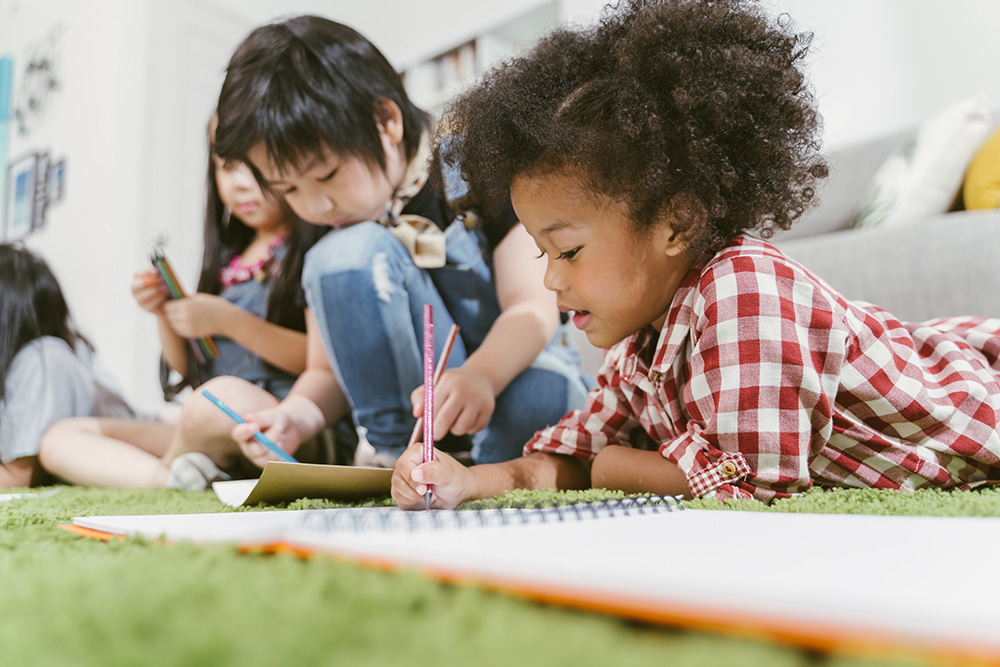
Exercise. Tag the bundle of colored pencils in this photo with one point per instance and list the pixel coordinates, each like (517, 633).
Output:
(203, 348)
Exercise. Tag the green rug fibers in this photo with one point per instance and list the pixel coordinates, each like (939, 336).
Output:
(68, 600)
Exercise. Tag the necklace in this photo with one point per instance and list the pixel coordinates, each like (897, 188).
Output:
(237, 272)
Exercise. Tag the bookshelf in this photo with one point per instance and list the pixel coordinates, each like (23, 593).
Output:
(434, 79)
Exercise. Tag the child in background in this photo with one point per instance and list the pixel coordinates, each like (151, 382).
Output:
(637, 155)
(249, 301)
(47, 369)
(325, 121)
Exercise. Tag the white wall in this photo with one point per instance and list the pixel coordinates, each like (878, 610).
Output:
(878, 65)
(97, 124)
(141, 77)
(882, 65)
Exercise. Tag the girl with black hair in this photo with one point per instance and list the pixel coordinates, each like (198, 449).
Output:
(325, 121)
(249, 301)
(47, 369)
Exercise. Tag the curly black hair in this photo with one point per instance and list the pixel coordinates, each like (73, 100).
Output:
(661, 100)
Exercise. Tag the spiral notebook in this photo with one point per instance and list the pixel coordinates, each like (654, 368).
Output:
(920, 585)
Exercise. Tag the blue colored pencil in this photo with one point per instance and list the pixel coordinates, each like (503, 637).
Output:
(258, 436)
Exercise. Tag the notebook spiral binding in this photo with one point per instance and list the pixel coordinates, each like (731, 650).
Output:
(379, 519)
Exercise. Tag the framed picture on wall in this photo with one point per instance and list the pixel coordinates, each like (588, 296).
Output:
(41, 191)
(20, 213)
(57, 182)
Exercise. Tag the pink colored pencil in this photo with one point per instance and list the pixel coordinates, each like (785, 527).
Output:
(442, 363)
(428, 394)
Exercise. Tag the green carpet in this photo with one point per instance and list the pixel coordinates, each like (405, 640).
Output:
(68, 600)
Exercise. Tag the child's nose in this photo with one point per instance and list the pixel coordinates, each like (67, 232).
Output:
(320, 206)
(553, 280)
(243, 177)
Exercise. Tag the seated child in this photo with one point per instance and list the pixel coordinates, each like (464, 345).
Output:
(248, 300)
(325, 120)
(638, 154)
(47, 369)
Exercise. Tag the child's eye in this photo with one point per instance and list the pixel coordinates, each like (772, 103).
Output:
(288, 191)
(569, 254)
(328, 176)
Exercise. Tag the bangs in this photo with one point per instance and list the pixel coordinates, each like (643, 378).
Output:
(298, 117)
(307, 86)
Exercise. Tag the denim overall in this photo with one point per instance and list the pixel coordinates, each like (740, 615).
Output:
(234, 359)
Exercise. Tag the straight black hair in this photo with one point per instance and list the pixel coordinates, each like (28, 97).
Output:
(32, 305)
(225, 237)
(307, 84)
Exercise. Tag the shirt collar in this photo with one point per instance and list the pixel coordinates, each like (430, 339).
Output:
(681, 315)
(676, 328)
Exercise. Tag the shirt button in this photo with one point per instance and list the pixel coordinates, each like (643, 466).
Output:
(728, 469)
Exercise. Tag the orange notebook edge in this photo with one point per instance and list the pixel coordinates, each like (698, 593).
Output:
(91, 532)
(810, 635)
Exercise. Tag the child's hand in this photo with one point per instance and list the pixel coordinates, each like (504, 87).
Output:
(276, 425)
(463, 402)
(149, 290)
(452, 481)
(198, 315)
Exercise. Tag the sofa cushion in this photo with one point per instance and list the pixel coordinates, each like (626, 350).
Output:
(837, 196)
(924, 174)
(937, 266)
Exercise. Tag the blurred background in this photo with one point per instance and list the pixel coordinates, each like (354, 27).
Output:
(104, 105)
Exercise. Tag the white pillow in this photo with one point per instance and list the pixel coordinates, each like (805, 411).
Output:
(923, 175)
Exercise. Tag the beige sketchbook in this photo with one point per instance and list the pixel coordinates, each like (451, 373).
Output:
(283, 482)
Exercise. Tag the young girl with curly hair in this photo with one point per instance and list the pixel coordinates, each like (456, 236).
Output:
(638, 154)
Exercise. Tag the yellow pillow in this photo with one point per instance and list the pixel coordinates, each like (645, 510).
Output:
(982, 181)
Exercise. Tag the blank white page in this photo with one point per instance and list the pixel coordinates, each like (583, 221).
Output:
(926, 583)
(910, 579)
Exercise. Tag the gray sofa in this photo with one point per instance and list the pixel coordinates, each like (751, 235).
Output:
(945, 264)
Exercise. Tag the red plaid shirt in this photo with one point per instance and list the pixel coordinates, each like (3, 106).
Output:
(766, 381)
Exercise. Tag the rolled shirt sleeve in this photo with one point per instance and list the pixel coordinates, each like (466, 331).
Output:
(764, 366)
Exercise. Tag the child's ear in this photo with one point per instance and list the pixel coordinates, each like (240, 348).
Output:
(675, 243)
(389, 120)
(686, 217)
